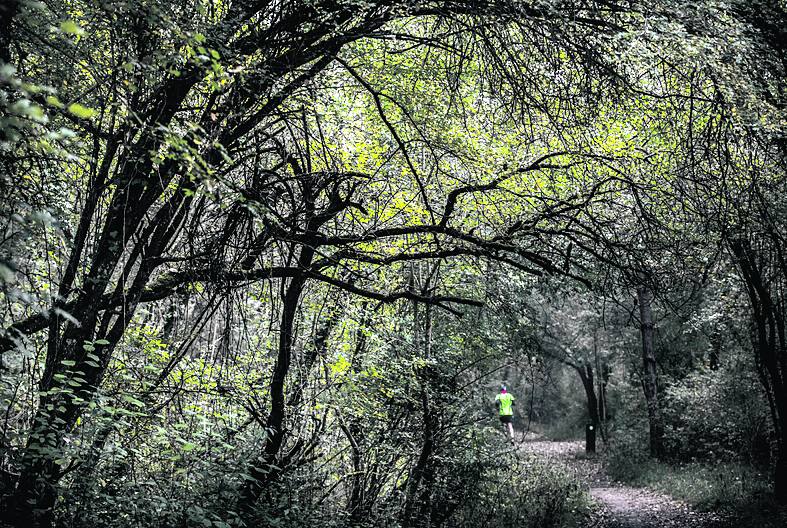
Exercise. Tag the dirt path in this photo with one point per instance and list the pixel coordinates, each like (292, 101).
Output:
(620, 506)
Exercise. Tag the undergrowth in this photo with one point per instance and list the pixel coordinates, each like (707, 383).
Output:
(741, 492)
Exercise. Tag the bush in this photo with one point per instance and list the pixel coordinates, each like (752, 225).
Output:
(627, 454)
(739, 491)
(718, 414)
(627, 451)
(516, 494)
(710, 487)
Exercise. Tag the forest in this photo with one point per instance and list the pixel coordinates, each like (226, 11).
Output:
(300, 263)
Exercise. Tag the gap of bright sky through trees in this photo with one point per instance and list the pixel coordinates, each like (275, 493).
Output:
(273, 263)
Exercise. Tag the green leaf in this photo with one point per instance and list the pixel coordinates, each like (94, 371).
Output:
(133, 401)
(71, 27)
(54, 101)
(82, 112)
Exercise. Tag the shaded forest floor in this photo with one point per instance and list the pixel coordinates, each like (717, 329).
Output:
(619, 505)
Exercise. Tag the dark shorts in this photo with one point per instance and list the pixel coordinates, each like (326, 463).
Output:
(506, 419)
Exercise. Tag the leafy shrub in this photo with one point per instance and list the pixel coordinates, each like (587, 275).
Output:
(739, 491)
(627, 453)
(710, 486)
(627, 450)
(717, 414)
(513, 493)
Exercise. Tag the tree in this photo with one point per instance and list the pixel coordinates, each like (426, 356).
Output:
(172, 101)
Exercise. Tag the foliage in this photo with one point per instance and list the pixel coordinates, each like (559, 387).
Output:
(739, 492)
(538, 494)
(265, 262)
(717, 415)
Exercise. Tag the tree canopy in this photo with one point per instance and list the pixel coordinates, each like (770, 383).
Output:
(262, 260)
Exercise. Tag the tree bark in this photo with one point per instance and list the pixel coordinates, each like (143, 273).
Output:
(650, 375)
(603, 379)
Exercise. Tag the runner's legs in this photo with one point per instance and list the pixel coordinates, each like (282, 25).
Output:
(508, 427)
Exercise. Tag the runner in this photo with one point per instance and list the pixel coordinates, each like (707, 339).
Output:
(505, 403)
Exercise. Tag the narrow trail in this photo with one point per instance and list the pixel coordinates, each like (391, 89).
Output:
(620, 506)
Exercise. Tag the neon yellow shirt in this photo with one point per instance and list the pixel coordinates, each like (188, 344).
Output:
(506, 402)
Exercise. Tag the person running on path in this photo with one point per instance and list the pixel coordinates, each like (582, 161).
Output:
(505, 404)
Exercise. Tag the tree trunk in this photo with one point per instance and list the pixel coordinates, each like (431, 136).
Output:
(770, 345)
(8, 10)
(264, 470)
(71, 376)
(73, 370)
(603, 379)
(586, 375)
(357, 504)
(588, 383)
(602, 373)
(417, 500)
(650, 375)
